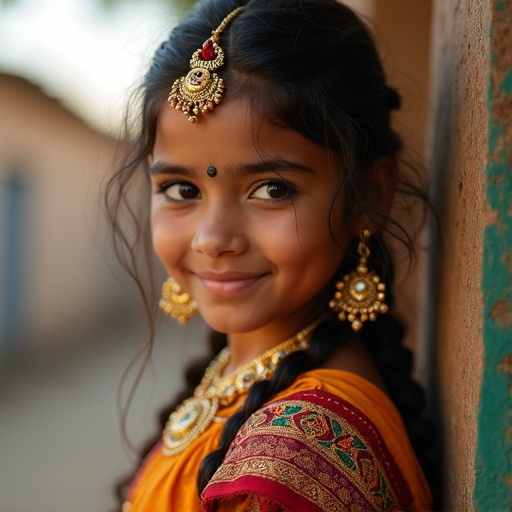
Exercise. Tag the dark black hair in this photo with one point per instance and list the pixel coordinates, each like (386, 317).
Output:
(311, 66)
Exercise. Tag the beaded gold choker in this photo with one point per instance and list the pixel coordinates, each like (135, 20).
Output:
(201, 89)
(195, 414)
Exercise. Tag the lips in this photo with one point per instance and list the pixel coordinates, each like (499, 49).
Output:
(228, 284)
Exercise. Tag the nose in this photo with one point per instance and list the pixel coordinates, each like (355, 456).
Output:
(220, 231)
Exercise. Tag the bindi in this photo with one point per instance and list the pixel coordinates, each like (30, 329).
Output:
(211, 171)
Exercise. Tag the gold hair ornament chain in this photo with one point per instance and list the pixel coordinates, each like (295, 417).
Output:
(201, 89)
(195, 414)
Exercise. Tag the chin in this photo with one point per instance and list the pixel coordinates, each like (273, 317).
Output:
(231, 324)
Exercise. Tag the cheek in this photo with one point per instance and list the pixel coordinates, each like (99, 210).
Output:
(341, 224)
(166, 236)
(318, 225)
(303, 242)
(315, 239)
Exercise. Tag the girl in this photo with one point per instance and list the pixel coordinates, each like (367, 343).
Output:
(266, 140)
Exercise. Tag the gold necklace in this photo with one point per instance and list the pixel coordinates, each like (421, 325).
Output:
(196, 413)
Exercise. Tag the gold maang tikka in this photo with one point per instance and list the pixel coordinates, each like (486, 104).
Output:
(360, 295)
(201, 89)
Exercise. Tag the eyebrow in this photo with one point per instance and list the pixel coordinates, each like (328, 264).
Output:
(278, 164)
(163, 168)
(274, 165)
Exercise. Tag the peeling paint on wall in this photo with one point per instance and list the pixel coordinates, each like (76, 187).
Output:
(501, 313)
(505, 365)
(493, 487)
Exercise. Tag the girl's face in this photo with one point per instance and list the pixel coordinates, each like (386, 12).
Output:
(252, 244)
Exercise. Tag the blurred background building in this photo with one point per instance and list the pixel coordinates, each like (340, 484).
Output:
(53, 270)
(69, 326)
(66, 68)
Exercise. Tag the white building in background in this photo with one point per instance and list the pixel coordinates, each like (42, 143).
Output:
(54, 277)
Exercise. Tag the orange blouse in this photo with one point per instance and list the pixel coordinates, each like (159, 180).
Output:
(169, 483)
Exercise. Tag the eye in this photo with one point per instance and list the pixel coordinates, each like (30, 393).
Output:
(272, 190)
(181, 191)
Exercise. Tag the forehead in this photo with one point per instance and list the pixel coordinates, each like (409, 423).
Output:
(232, 133)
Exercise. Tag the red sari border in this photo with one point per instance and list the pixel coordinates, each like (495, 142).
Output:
(311, 451)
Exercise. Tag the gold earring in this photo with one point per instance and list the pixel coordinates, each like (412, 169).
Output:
(176, 303)
(360, 295)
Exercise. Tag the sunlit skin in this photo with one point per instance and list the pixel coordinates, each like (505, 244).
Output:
(252, 245)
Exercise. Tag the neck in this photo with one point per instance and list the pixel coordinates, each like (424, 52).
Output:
(246, 347)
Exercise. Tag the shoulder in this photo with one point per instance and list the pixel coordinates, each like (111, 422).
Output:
(312, 450)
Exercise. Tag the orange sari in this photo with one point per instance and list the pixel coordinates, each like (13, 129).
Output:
(331, 442)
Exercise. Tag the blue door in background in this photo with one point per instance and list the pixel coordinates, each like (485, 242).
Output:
(13, 258)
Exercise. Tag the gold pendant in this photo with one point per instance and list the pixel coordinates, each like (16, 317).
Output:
(196, 93)
(187, 423)
(195, 414)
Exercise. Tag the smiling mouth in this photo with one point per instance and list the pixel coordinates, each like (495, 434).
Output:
(228, 284)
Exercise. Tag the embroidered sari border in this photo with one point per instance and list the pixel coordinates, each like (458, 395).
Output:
(314, 447)
(271, 490)
(360, 421)
(266, 476)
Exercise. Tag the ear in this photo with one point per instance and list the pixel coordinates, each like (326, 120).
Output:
(378, 190)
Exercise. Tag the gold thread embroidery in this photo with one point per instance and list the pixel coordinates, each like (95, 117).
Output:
(259, 450)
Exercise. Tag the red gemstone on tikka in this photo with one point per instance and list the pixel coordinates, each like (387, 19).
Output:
(208, 51)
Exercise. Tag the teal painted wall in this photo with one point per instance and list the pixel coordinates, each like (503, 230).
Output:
(493, 484)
